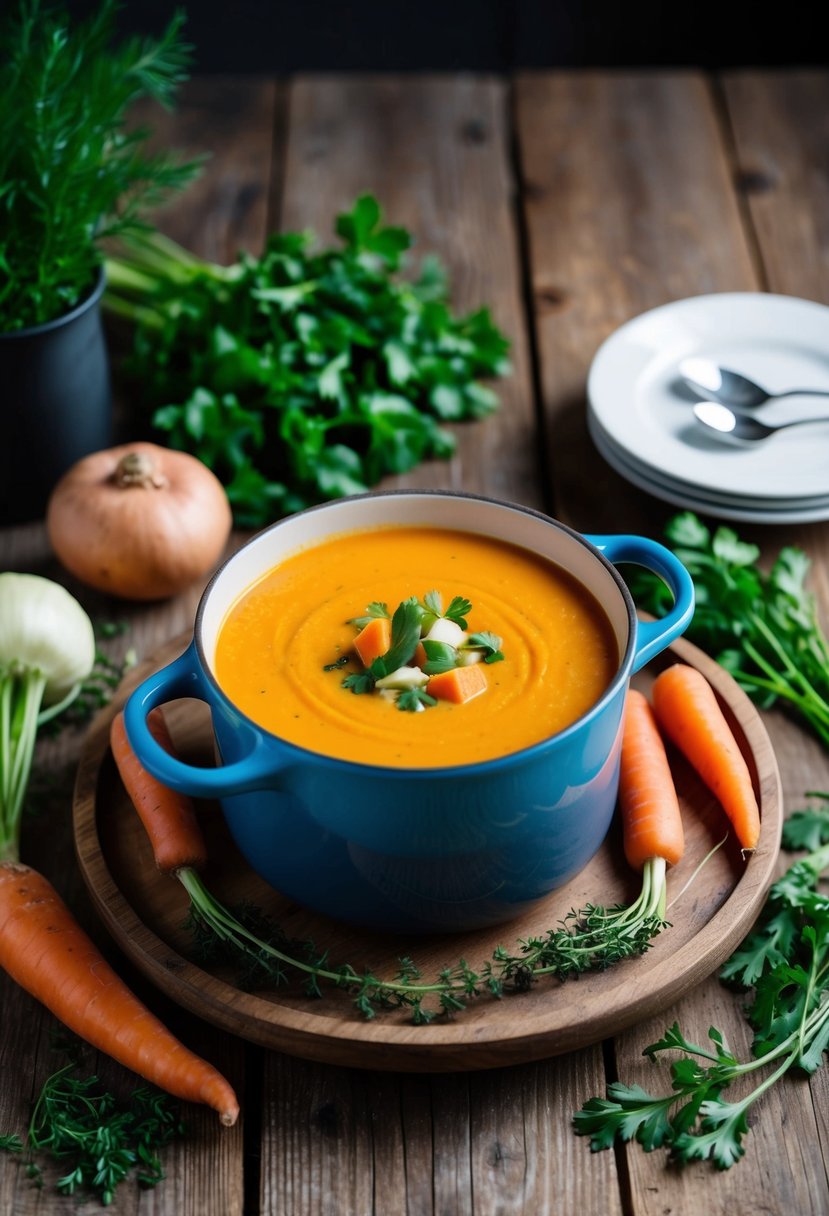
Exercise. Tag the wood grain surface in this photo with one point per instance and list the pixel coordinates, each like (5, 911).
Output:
(570, 203)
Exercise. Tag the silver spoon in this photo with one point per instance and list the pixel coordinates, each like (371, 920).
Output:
(716, 383)
(740, 428)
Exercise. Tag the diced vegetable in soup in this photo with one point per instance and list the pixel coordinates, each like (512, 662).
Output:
(505, 650)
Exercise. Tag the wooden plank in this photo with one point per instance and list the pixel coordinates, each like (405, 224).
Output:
(778, 124)
(778, 121)
(238, 122)
(627, 205)
(435, 152)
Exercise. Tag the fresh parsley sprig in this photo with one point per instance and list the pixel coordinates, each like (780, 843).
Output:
(458, 610)
(488, 642)
(763, 628)
(785, 964)
(303, 375)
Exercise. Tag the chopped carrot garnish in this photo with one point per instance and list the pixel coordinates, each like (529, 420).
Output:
(420, 657)
(651, 822)
(373, 640)
(458, 685)
(689, 713)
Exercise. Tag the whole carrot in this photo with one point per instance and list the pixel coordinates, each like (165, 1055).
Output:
(168, 817)
(43, 949)
(651, 821)
(689, 714)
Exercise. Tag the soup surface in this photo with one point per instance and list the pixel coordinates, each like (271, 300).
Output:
(560, 653)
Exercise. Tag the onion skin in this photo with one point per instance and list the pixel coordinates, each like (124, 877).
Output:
(141, 538)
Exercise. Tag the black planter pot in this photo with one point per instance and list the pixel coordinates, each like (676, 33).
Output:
(57, 404)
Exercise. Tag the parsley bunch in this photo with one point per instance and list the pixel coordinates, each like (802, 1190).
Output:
(303, 375)
(785, 964)
(762, 627)
(71, 172)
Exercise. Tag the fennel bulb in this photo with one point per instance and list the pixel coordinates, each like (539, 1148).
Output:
(47, 648)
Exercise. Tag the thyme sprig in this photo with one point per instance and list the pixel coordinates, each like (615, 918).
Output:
(589, 939)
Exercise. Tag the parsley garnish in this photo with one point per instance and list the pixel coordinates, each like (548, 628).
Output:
(458, 610)
(785, 961)
(359, 682)
(440, 657)
(490, 643)
(413, 618)
(405, 635)
(342, 661)
(373, 611)
(414, 699)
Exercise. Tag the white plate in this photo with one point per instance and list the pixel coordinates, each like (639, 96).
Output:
(716, 498)
(635, 393)
(706, 506)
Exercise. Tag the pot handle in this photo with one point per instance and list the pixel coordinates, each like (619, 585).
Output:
(182, 678)
(653, 636)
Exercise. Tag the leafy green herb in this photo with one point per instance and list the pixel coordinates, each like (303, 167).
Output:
(458, 610)
(411, 620)
(339, 663)
(785, 962)
(373, 611)
(96, 1139)
(302, 375)
(763, 628)
(489, 643)
(589, 939)
(440, 657)
(405, 635)
(359, 682)
(71, 172)
(414, 699)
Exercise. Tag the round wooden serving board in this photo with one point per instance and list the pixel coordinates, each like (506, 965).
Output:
(144, 911)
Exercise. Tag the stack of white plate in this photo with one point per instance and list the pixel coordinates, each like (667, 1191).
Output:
(640, 412)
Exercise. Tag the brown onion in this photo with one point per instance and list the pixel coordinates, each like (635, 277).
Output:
(139, 521)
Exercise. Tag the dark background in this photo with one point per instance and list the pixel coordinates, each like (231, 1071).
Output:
(482, 35)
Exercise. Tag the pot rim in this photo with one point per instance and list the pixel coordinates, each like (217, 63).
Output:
(86, 304)
(479, 767)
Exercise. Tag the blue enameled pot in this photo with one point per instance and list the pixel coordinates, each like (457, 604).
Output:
(421, 850)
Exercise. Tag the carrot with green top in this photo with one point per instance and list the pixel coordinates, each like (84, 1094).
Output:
(653, 840)
(688, 712)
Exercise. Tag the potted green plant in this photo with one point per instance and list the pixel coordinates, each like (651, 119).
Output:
(72, 173)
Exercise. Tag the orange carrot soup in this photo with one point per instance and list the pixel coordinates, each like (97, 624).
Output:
(415, 647)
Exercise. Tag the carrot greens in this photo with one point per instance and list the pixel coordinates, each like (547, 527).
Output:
(95, 1138)
(784, 964)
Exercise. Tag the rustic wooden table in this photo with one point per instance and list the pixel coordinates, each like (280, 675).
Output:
(570, 202)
